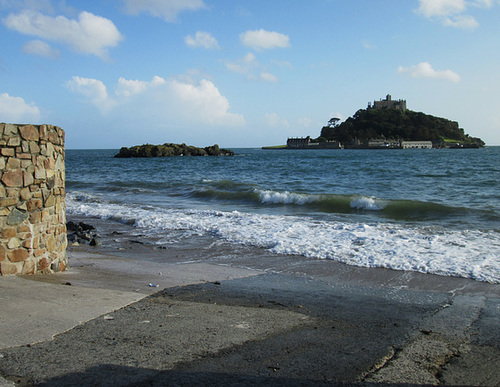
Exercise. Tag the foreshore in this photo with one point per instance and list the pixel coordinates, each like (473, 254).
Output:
(206, 313)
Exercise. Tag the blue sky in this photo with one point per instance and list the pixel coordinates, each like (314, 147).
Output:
(116, 73)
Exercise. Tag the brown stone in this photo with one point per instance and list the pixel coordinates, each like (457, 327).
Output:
(8, 268)
(43, 263)
(14, 141)
(18, 255)
(35, 217)
(3, 254)
(28, 178)
(9, 232)
(5, 202)
(10, 130)
(50, 243)
(43, 132)
(13, 163)
(53, 137)
(51, 200)
(2, 163)
(34, 204)
(14, 243)
(39, 252)
(27, 244)
(13, 178)
(9, 152)
(40, 172)
(34, 148)
(29, 132)
(25, 193)
(29, 267)
(23, 228)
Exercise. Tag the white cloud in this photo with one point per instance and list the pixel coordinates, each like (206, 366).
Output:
(204, 102)
(129, 87)
(451, 12)
(90, 34)
(93, 90)
(275, 121)
(268, 77)
(461, 21)
(202, 39)
(261, 39)
(245, 65)
(250, 67)
(167, 100)
(164, 9)
(16, 110)
(425, 70)
(40, 48)
(433, 8)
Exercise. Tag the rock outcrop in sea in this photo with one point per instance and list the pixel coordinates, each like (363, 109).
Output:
(170, 150)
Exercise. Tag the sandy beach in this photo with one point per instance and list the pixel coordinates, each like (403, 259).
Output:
(253, 318)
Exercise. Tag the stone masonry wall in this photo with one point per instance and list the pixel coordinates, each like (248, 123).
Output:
(32, 206)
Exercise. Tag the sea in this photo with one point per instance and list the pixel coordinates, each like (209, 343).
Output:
(432, 211)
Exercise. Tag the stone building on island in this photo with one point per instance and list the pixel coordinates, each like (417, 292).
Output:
(307, 143)
(388, 103)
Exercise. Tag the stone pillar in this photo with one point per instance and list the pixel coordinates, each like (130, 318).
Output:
(32, 206)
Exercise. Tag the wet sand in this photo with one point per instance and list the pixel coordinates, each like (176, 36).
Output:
(225, 315)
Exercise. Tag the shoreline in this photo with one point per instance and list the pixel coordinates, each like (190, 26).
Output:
(224, 315)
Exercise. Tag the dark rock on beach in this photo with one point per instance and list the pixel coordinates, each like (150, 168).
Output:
(82, 233)
(169, 150)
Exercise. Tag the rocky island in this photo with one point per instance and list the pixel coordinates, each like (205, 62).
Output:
(170, 150)
(387, 124)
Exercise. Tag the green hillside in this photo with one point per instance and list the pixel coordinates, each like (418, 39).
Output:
(368, 124)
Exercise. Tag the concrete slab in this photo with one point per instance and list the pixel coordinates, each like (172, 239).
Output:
(35, 308)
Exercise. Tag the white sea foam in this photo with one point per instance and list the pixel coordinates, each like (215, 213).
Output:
(274, 197)
(365, 203)
(471, 254)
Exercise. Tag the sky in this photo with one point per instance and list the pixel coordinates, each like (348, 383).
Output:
(242, 73)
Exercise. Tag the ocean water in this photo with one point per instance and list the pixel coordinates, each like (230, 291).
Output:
(431, 211)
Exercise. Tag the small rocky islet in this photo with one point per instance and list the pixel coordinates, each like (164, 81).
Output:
(171, 150)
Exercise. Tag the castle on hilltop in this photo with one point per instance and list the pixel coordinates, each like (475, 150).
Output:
(388, 103)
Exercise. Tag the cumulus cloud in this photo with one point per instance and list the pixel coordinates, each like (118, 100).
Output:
(93, 90)
(40, 48)
(202, 39)
(251, 68)
(451, 12)
(461, 21)
(433, 8)
(180, 100)
(89, 34)
(245, 65)
(275, 121)
(263, 40)
(16, 110)
(129, 87)
(268, 77)
(164, 9)
(425, 70)
(205, 102)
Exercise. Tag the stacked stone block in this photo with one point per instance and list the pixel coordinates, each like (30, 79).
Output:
(32, 206)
